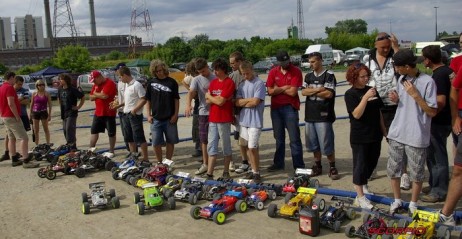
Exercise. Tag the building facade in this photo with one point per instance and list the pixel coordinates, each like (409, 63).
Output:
(28, 32)
(6, 39)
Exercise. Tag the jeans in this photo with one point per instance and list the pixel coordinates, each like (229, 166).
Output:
(69, 129)
(286, 117)
(437, 160)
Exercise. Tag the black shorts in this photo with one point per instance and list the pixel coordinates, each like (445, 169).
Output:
(40, 115)
(100, 123)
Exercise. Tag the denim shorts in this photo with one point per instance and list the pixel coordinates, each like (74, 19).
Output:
(400, 154)
(159, 129)
(219, 131)
(319, 137)
(133, 128)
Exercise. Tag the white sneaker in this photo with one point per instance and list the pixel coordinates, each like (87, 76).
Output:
(412, 208)
(363, 202)
(394, 207)
(366, 190)
(201, 170)
(232, 168)
(405, 182)
(447, 220)
(109, 155)
(243, 168)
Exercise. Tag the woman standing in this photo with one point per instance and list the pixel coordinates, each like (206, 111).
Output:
(367, 128)
(68, 96)
(40, 110)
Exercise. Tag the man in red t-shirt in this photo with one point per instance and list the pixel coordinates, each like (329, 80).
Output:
(103, 92)
(10, 110)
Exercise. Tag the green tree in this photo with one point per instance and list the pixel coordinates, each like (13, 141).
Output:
(354, 26)
(115, 55)
(73, 58)
(180, 50)
(3, 69)
(197, 40)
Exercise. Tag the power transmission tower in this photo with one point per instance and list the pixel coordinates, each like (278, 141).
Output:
(300, 20)
(140, 26)
(63, 21)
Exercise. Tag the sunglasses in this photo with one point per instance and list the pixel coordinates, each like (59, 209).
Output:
(383, 38)
(358, 65)
(40, 85)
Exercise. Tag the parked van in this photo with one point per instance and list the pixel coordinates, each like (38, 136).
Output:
(420, 45)
(324, 49)
(339, 56)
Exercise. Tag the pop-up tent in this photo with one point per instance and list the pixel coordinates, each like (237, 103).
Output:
(48, 71)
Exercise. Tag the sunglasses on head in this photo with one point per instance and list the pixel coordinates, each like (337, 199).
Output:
(358, 65)
(385, 37)
(40, 85)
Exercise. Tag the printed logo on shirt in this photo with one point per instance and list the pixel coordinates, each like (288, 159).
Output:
(159, 87)
(217, 92)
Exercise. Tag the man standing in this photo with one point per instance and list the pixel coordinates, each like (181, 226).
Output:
(409, 134)
(250, 98)
(118, 103)
(319, 89)
(162, 109)
(103, 93)
(200, 86)
(134, 100)
(283, 83)
(10, 109)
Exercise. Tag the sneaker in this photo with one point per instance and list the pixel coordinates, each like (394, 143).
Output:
(274, 168)
(109, 155)
(225, 175)
(232, 168)
(201, 170)
(248, 175)
(16, 163)
(316, 170)
(333, 173)
(426, 189)
(431, 198)
(256, 178)
(363, 202)
(366, 190)
(30, 164)
(395, 206)
(243, 168)
(198, 153)
(374, 175)
(405, 182)
(208, 176)
(5, 156)
(412, 208)
(447, 220)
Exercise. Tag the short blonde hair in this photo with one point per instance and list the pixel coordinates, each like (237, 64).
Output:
(39, 82)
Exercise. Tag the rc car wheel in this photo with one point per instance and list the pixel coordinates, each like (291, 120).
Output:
(51, 175)
(128, 178)
(259, 205)
(241, 206)
(109, 165)
(112, 193)
(113, 169)
(42, 172)
(171, 203)
(85, 208)
(314, 183)
(115, 175)
(169, 178)
(219, 217)
(321, 203)
(402, 223)
(79, 172)
(140, 207)
(195, 212)
(272, 194)
(350, 213)
(167, 193)
(67, 169)
(192, 198)
(349, 230)
(133, 180)
(288, 197)
(115, 202)
(84, 197)
(136, 197)
(336, 226)
(443, 232)
(272, 210)
(366, 217)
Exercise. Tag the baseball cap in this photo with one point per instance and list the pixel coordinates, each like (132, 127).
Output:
(404, 57)
(118, 66)
(282, 56)
(94, 74)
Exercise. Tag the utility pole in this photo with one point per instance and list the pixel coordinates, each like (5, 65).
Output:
(140, 25)
(436, 23)
(300, 20)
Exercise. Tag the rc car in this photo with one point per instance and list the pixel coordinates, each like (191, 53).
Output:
(61, 150)
(258, 196)
(41, 151)
(151, 198)
(174, 183)
(68, 164)
(190, 191)
(370, 222)
(300, 179)
(423, 225)
(212, 192)
(217, 210)
(157, 173)
(306, 197)
(99, 198)
(336, 214)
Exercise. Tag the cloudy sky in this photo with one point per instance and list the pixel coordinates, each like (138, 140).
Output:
(412, 20)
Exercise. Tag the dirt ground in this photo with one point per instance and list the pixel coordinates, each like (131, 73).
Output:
(32, 207)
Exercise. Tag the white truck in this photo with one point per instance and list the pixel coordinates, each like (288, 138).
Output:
(324, 49)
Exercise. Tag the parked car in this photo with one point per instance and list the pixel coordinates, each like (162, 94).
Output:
(350, 59)
(85, 82)
(264, 66)
(52, 91)
(180, 66)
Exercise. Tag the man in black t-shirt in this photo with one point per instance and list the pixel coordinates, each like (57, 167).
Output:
(162, 109)
(437, 157)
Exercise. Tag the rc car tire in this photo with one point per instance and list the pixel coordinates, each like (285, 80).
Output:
(41, 172)
(171, 203)
(140, 207)
(272, 210)
(127, 179)
(192, 198)
(168, 178)
(112, 193)
(241, 206)
(321, 203)
(84, 197)
(336, 226)
(195, 212)
(136, 197)
(167, 192)
(115, 175)
(349, 230)
(314, 183)
(115, 202)
(350, 213)
(219, 217)
(443, 232)
(51, 175)
(109, 165)
(259, 205)
(79, 172)
(85, 208)
(288, 197)
(272, 194)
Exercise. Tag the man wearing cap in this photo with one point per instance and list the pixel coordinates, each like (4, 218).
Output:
(319, 89)
(409, 133)
(103, 93)
(282, 84)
